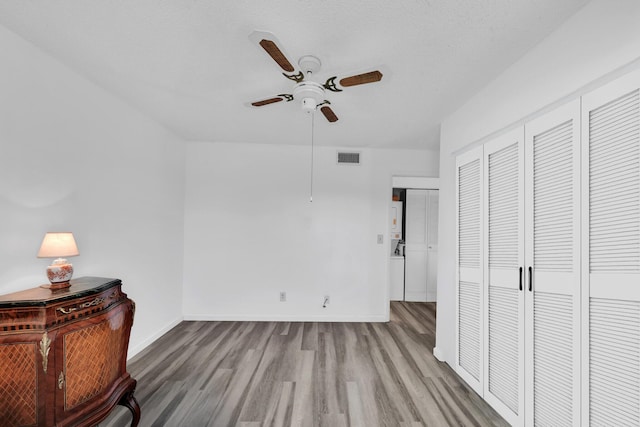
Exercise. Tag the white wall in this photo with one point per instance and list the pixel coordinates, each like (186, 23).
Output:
(74, 158)
(600, 39)
(251, 232)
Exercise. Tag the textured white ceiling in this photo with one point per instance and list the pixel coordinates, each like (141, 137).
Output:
(189, 64)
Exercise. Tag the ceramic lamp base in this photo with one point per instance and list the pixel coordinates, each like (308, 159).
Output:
(59, 274)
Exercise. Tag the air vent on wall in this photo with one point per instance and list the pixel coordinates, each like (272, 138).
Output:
(348, 158)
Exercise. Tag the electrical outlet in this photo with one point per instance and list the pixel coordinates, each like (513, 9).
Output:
(283, 296)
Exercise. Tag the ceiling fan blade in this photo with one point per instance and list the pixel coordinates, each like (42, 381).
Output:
(360, 79)
(281, 97)
(329, 114)
(274, 51)
(270, 44)
(266, 102)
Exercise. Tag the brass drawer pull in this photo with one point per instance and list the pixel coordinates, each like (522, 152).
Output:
(87, 304)
(92, 303)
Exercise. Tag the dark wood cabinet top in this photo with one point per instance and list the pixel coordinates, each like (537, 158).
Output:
(40, 297)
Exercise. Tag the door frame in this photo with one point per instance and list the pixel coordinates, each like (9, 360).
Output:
(410, 183)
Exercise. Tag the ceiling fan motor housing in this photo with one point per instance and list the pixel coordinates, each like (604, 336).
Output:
(311, 94)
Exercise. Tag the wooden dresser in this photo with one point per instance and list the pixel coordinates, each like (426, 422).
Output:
(63, 354)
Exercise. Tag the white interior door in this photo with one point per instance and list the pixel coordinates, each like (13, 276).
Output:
(552, 261)
(432, 245)
(504, 274)
(469, 262)
(396, 271)
(611, 253)
(416, 248)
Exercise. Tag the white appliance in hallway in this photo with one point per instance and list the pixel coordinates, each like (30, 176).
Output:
(421, 245)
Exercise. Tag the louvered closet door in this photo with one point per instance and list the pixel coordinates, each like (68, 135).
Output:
(611, 253)
(504, 318)
(552, 294)
(469, 290)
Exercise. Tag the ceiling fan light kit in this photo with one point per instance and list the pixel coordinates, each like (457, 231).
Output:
(311, 94)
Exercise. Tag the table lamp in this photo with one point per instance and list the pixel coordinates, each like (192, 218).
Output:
(58, 245)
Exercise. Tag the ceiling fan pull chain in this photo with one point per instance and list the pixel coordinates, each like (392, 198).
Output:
(311, 188)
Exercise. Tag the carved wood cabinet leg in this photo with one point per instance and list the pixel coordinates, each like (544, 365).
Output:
(130, 402)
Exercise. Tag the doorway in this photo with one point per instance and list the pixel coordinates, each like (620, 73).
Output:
(413, 239)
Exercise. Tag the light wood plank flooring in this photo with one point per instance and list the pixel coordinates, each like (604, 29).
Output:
(253, 374)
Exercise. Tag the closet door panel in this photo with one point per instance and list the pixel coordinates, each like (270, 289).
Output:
(504, 246)
(470, 274)
(611, 253)
(612, 286)
(469, 262)
(552, 297)
(557, 283)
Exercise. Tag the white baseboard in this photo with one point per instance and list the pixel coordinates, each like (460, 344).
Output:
(149, 340)
(134, 350)
(438, 354)
(248, 318)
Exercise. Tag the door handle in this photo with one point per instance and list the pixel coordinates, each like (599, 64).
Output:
(530, 278)
(520, 278)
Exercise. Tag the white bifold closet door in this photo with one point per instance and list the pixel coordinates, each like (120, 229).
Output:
(504, 275)
(611, 254)
(552, 267)
(469, 262)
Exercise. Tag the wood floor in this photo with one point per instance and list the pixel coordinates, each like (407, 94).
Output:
(303, 374)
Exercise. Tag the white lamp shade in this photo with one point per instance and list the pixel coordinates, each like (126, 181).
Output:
(58, 245)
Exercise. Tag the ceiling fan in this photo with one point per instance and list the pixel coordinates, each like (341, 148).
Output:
(310, 93)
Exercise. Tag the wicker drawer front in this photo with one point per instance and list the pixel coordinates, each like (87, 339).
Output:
(92, 359)
(18, 378)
